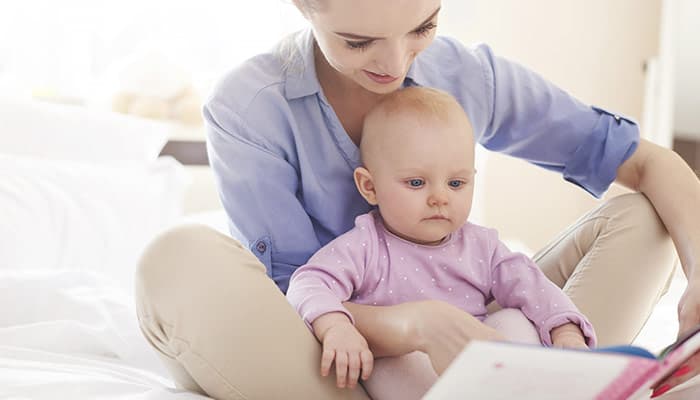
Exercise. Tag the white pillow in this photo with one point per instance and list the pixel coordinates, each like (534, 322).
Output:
(69, 215)
(64, 132)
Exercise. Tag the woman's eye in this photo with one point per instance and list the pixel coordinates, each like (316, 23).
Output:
(455, 184)
(415, 182)
(358, 45)
(425, 29)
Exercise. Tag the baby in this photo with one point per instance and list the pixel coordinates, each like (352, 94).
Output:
(417, 152)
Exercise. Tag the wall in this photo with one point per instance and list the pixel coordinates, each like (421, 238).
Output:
(687, 55)
(593, 49)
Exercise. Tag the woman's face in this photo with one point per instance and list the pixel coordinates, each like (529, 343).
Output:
(372, 43)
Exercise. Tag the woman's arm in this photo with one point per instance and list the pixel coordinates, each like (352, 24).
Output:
(674, 190)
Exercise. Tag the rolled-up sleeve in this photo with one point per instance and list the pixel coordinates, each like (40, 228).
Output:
(532, 119)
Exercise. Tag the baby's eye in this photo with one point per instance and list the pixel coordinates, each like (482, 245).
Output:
(415, 183)
(455, 183)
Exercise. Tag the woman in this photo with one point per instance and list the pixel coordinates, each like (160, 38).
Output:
(283, 131)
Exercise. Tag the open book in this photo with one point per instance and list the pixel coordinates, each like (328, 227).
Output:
(493, 370)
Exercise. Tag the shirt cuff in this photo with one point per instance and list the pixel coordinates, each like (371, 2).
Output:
(594, 164)
(311, 315)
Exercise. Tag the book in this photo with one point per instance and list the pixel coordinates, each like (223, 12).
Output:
(500, 370)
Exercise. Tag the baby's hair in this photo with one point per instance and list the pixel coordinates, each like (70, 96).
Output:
(423, 103)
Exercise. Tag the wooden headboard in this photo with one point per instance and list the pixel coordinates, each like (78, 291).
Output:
(187, 152)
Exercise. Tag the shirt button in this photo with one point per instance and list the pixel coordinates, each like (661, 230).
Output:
(617, 117)
(261, 247)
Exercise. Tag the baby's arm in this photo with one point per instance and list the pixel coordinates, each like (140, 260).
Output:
(317, 290)
(344, 344)
(568, 335)
(519, 283)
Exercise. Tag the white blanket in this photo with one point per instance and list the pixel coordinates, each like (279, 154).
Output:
(74, 335)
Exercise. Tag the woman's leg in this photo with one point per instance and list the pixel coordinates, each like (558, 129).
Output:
(222, 326)
(614, 263)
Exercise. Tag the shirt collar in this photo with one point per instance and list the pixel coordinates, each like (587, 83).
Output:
(300, 69)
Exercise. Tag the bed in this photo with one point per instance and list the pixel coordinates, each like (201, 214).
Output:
(81, 193)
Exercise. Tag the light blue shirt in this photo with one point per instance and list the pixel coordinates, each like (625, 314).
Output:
(284, 163)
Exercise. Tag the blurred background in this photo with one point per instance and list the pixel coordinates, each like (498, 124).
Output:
(158, 59)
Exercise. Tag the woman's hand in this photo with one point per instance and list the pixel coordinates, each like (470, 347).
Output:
(345, 346)
(436, 328)
(688, 317)
(689, 308)
(568, 336)
(442, 331)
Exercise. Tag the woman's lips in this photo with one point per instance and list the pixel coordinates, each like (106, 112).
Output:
(381, 79)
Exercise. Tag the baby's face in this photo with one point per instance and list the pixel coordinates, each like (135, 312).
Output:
(423, 173)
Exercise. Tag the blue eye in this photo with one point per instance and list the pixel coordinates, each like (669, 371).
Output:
(415, 183)
(455, 183)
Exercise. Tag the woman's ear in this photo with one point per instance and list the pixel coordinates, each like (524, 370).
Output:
(365, 185)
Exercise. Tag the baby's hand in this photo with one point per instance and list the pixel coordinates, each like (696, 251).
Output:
(568, 336)
(344, 344)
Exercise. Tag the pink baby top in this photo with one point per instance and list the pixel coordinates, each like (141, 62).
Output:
(469, 268)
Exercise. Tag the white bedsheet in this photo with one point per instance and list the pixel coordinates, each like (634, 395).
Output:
(74, 335)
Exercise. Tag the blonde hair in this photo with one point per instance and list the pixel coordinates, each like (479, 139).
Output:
(308, 5)
(422, 103)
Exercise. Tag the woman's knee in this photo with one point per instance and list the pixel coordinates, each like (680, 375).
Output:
(187, 256)
(169, 252)
(634, 216)
(635, 209)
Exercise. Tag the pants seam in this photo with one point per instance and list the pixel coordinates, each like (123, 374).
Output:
(563, 236)
(231, 388)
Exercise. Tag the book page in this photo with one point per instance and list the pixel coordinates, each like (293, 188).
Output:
(511, 371)
(676, 354)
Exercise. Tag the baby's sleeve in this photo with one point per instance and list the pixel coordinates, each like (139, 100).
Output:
(330, 277)
(517, 282)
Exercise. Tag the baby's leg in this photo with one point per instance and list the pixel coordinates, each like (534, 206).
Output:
(514, 325)
(410, 376)
(402, 378)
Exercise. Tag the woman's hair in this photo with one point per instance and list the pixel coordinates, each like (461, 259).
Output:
(308, 5)
(287, 50)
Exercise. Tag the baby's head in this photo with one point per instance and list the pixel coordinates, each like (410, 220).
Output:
(417, 152)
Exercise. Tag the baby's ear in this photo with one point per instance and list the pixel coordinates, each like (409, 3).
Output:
(365, 185)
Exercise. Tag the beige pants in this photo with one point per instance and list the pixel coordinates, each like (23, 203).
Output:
(223, 328)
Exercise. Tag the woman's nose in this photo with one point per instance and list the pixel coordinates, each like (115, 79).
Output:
(392, 58)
